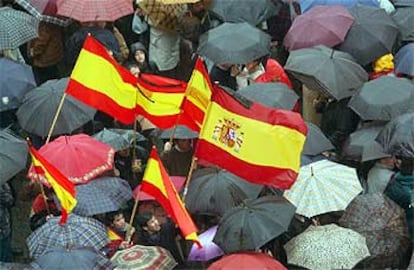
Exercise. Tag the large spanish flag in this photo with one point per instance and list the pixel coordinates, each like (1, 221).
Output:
(197, 97)
(158, 184)
(258, 143)
(64, 189)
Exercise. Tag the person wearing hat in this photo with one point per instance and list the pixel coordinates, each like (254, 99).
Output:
(139, 56)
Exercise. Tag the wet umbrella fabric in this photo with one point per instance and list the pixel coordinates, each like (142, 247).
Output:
(119, 139)
(16, 80)
(332, 72)
(322, 25)
(222, 190)
(39, 107)
(383, 98)
(180, 132)
(316, 142)
(306, 5)
(77, 231)
(13, 155)
(209, 250)
(371, 36)
(234, 43)
(253, 223)
(327, 247)
(404, 18)
(404, 60)
(275, 95)
(44, 10)
(247, 261)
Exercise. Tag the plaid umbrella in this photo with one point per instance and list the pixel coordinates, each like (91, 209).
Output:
(323, 186)
(44, 10)
(143, 257)
(404, 60)
(327, 247)
(13, 155)
(160, 15)
(16, 28)
(384, 225)
(94, 10)
(119, 139)
(77, 231)
(103, 194)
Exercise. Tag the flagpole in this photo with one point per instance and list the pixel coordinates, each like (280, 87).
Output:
(134, 210)
(187, 181)
(59, 109)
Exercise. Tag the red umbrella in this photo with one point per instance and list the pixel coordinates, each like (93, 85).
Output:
(79, 157)
(94, 10)
(247, 261)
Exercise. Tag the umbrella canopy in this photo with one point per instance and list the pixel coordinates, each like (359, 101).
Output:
(102, 195)
(234, 43)
(306, 5)
(275, 95)
(404, 60)
(383, 98)
(371, 36)
(180, 132)
(77, 231)
(404, 3)
(72, 258)
(16, 80)
(94, 10)
(39, 107)
(209, 250)
(322, 25)
(119, 139)
(79, 157)
(170, 2)
(383, 223)
(247, 261)
(143, 257)
(221, 190)
(327, 247)
(162, 15)
(397, 137)
(254, 223)
(253, 12)
(13, 155)
(316, 142)
(178, 182)
(323, 186)
(404, 18)
(324, 69)
(16, 28)
(44, 10)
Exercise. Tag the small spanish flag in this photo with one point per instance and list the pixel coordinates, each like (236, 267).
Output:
(113, 235)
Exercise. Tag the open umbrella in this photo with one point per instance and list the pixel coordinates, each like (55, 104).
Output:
(180, 132)
(404, 18)
(323, 186)
(16, 80)
(371, 36)
(322, 25)
(253, 12)
(253, 223)
(327, 247)
(162, 15)
(77, 231)
(234, 43)
(94, 10)
(330, 71)
(209, 250)
(247, 261)
(16, 28)
(39, 107)
(140, 257)
(221, 190)
(79, 157)
(316, 142)
(404, 60)
(13, 155)
(306, 5)
(44, 10)
(383, 223)
(383, 98)
(119, 139)
(275, 95)
(404, 3)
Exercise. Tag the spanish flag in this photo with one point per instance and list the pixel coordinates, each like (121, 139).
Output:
(113, 235)
(257, 143)
(64, 189)
(157, 183)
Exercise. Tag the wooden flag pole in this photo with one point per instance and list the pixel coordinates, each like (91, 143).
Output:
(131, 219)
(59, 109)
(187, 181)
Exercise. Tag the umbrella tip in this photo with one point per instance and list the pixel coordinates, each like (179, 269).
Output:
(312, 174)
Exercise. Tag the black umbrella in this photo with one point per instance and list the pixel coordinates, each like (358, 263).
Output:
(254, 223)
(404, 59)
(214, 191)
(234, 43)
(403, 3)
(383, 98)
(180, 132)
(404, 18)
(397, 137)
(316, 142)
(275, 95)
(13, 155)
(371, 36)
(251, 11)
(332, 72)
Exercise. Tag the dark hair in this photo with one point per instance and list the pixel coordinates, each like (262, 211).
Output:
(143, 218)
(110, 216)
(406, 167)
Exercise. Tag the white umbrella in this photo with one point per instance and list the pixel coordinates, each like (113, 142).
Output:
(323, 186)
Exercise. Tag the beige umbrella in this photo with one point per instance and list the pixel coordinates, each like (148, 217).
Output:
(161, 15)
(170, 2)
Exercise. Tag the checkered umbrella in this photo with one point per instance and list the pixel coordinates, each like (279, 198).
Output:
(77, 231)
(103, 194)
(44, 10)
(16, 28)
(94, 10)
(323, 186)
(384, 225)
(164, 16)
(143, 257)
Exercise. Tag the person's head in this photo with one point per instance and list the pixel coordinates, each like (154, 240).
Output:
(388, 162)
(138, 52)
(133, 68)
(116, 220)
(406, 167)
(148, 222)
(183, 144)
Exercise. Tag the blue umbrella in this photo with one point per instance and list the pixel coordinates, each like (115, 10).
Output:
(16, 80)
(305, 5)
(404, 60)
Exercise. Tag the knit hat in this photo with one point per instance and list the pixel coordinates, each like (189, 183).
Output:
(137, 46)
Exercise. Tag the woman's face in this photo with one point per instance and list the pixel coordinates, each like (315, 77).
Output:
(139, 56)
